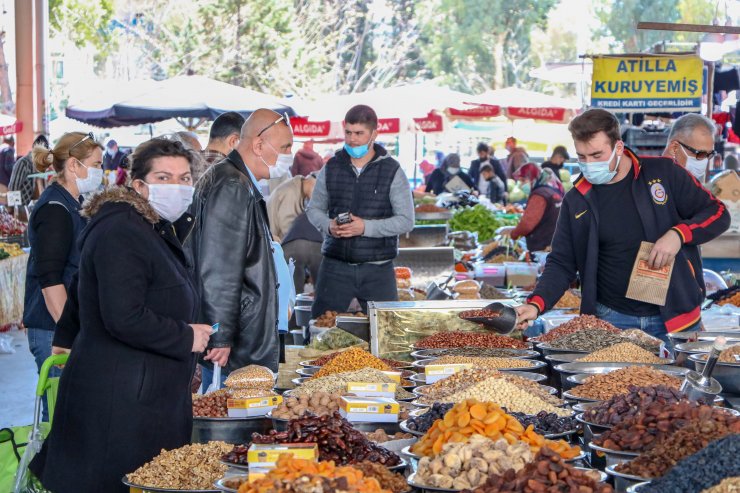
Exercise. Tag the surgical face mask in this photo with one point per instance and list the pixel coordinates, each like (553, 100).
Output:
(92, 182)
(597, 172)
(453, 171)
(110, 151)
(526, 188)
(282, 164)
(170, 201)
(697, 167)
(357, 152)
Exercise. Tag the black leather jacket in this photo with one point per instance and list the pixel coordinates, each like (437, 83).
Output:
(231, 251)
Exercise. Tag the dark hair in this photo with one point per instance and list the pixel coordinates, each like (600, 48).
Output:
(226, 124)
(583, 127)
(363, 115)
(145, 153)
(483, 147)
(9, 139)
(453, 160)
(41, 141)
(561, 151)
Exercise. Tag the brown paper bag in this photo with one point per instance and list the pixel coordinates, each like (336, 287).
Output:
(648, 285)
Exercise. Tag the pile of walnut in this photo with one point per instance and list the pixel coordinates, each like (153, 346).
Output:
(468, 465)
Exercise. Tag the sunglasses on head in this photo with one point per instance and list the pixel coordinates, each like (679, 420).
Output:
(89, 136)
(701, 155)
(283, 118)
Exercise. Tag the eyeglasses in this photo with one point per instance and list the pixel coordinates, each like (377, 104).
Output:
(89, 136)
(701, 155)
(284, 118)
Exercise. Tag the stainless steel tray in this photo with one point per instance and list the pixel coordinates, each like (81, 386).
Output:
(421, 379)
(623, 481)
(727, 374)
(614, 457)
(535, 365)
(146, 489)
(220, 484)
(434, 353)
(572, 357)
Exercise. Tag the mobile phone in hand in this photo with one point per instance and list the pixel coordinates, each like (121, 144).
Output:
(344, 218)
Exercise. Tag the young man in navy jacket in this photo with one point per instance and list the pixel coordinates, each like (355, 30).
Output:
(618, 201)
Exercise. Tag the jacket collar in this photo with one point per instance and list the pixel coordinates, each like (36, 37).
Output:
(236, 160)
(584, 186)
(124, 196)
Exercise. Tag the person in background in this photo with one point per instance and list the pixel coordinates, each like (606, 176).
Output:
(541, 213)
(122, 173)
(53, 230)
(365, 183)
(557, 160)
(301, 241)
(234, 255)
(133, 357)
(7, 161)
(691, 143)
(484, 156)
(495, 188)
(113, 156)
(19, 179)
(618, 202)
(287, 202)
(517, 157)
(450, 169)
(190, 139)
(306, 161)
(223, 137)
(731, 162)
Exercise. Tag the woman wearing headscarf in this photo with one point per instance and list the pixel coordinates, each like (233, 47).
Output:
(538, 222)
(441, 177)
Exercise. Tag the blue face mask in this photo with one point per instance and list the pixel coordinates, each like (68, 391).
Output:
(597, 172)
(357, 152)
(526, 188)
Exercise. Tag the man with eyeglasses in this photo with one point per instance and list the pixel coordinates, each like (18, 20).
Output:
(691, 143)
(361, 203)
(234, 257)
(617, 202)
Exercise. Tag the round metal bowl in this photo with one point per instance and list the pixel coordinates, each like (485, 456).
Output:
(684, 350)
(436, 353)
(307, 364)
(423, 488)
(709, 335)
(147, 489)
(547, 350)
(404, 428)
(564, 435)
(623, 481)
(534, 365)
(406, 451)
(727, 374)
(594, 428)
(570, 397)
(421, 380)
(567, 369)
(614, 457)
(637, 487)
(302, 315)
(417, 403)
(221, 483)
(229, 430)
(301, 380)
(571, 357)
(416, 348)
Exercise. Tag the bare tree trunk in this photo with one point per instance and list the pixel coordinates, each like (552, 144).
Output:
(6, 96)
(498, 61)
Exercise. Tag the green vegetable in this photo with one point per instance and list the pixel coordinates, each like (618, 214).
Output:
(478, 219)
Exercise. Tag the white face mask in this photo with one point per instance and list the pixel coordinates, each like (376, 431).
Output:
(170, 201)
(453, 171)
(92, 182)
(282, 164)
(697, 167)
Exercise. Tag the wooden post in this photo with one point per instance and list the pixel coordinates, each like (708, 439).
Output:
(24, 74)
(41, 21)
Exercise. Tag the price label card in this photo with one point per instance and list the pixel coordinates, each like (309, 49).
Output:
(434, 373)
(14, 199)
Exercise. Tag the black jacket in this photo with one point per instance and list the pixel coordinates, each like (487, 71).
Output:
(438, 179)
(667, 197)
(112, 163)
(231, 251)
(131, 364)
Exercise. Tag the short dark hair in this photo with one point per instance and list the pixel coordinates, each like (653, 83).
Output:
(226, 124)
(583, 127)
(561, 151)
(145, 153)
(41, 140)
(483, 147)
(362, 115)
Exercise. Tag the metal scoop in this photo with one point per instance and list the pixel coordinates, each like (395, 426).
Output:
(503, 323)
(439, 291)
(701, 386)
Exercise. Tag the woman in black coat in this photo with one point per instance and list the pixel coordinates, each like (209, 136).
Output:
(450, 168)
(125, 392)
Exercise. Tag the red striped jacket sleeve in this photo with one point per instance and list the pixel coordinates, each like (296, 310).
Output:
(704, 217)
